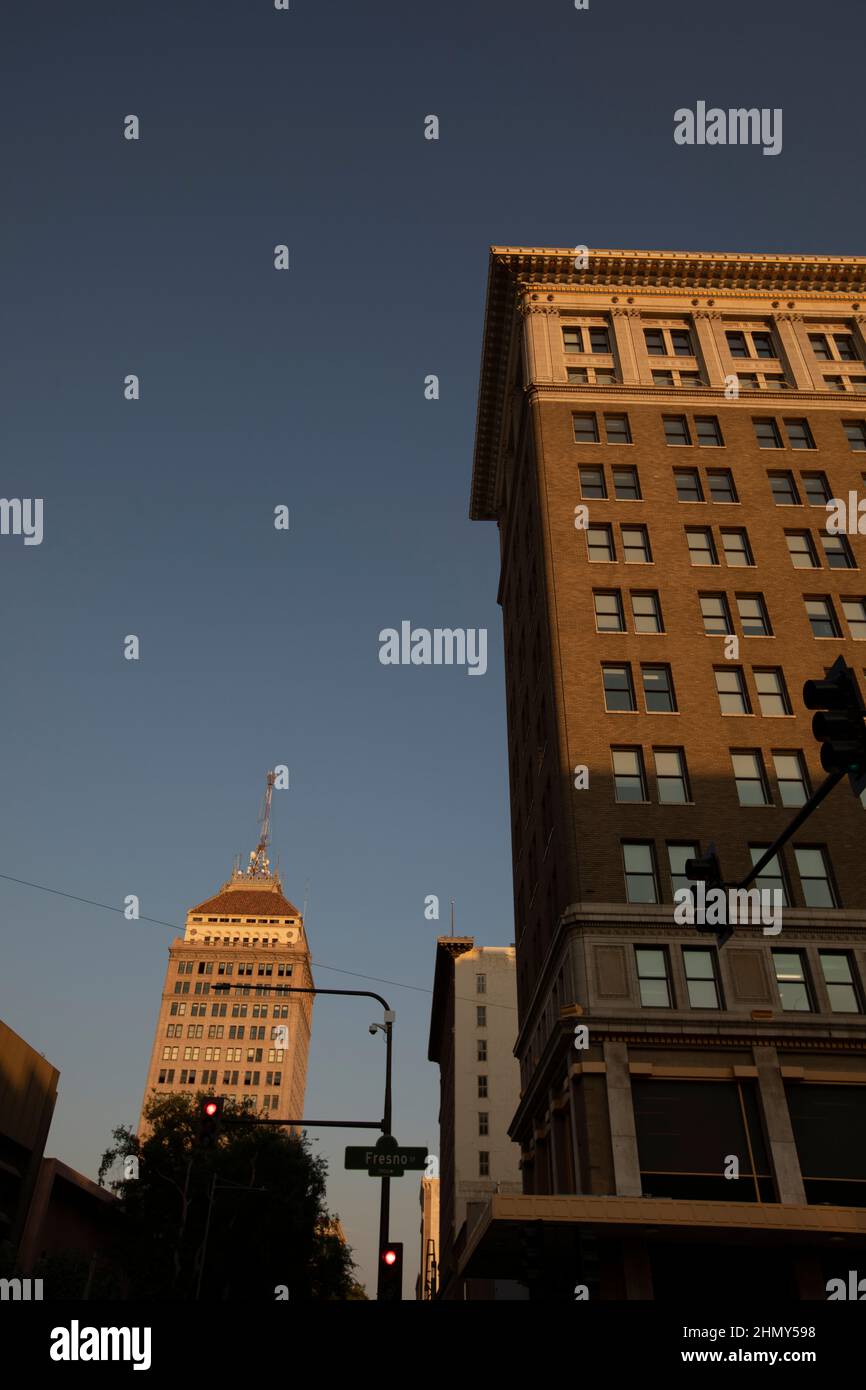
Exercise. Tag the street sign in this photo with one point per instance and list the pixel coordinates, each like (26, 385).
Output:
(386, 1159)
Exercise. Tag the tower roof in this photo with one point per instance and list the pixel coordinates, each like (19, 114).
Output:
(248, 898)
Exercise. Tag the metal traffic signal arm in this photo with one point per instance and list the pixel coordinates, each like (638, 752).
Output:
(839, 726)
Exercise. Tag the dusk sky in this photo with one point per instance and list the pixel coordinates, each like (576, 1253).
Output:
(306, 388)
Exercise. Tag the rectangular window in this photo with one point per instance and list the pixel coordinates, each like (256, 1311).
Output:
(753, 615)
(801, 550)
(736, 547)
(676, 429)
(767, 433)
(608, 611)
(483, 1122)
(784, 489)
(646, 612)
(599, 544)
(585, 429)
(737, 344)
(771, 876)
(762, 345)
(663, 378)
(855, 431)
(681, 342)
(480, 984)
(716, 615)
(688, 485)
(822, 617)
(629, 779)
(572, 339)
(599, 340)
(653, 977)
(671, 776)
(702, 549)
(640, 872)
(655, 342)
(839, 981)
(815, 881)
(708, 431)
(799, 434)
(616, 428)
(845, 347)
(691, 379)
(816, 488)
(855, 613)
(483, 1164)
(592, 482)
(626, 485)
(791, 980)
(837, 552)
(820, 347)
(701, 977)
(731, 690)
(482, 1088)
(481, 1016)
(618, 688)
(721, 484)
(658, 689)
(482, 1050)
(635, 545)
(750, 777)
(772, 692)
(580, 375)
(678, 856)
(791, 777)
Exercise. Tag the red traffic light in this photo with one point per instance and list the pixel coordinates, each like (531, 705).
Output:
(389, 1257)
(211, 1107)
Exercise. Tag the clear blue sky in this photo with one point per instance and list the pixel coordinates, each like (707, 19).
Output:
(306, 388)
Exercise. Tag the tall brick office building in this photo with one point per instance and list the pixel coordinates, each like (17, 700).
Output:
(702, 408)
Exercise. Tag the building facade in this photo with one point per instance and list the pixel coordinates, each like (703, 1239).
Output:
(658, 436)
(28, 1095)
(249, 1042)
(472, 1029)
(427, 1283)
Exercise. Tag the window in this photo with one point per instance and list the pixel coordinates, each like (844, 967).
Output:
(671, 776)
(839, 980)
(676, 429)
(482, 1050)
(585, 429)
(837, 552)
(658, 689)
(816, 488)
(640, 872)
(721, 485)
(731, 690)
(736, 547)
(483, 1122)
(791, 777)
(592, 482)
(799, 434)
(820, 347)
(572, 339)
(483, 1164)
(801, 549)
(737, 344)
(626, 486)
(708, 432)
(815, 881)
(716, 615)
(701, 979)
(688, 485)
(767, 433)
(702, 550)
(635, 545)
(762, 345)
(678, 856)
(482, 1088)
(750, 777)
(784, 490)
(771, 876)
(608, 611)
(855, 431)
(772, 693)
(653, 977)
(599, 543)
(681, 341)
(628, 774)
(834, 383)
(655, 342)
(480, 984)
(577, 374)
(481, 1016)
(646, 612)
(605, 376)
(663, 378)
(616, 428)
(599, 340)
(791, 981)
(822, 617)
(691, 379)
(618, 688)
(855, 613)
(845, 347)
(753, 615)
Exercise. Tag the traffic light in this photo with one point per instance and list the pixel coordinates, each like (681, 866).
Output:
(839, 723)
(390, 1288)
(210, 1120)
(705, 869)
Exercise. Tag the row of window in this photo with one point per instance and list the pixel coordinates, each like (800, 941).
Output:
(642, 884)
(706, 431)
(672, 780)
(700, 967)
(635, 548)
(217, 1030)
(660, 696)
(226, 967)
(219, 1010)
(717, 485)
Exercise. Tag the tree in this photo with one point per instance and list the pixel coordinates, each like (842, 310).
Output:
(266, 1216)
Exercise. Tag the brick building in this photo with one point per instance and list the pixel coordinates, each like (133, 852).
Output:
(702, 409)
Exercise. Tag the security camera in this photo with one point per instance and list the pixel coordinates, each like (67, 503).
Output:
(373, 1028)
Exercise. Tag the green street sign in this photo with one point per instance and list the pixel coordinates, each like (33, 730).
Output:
(386, 1159)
